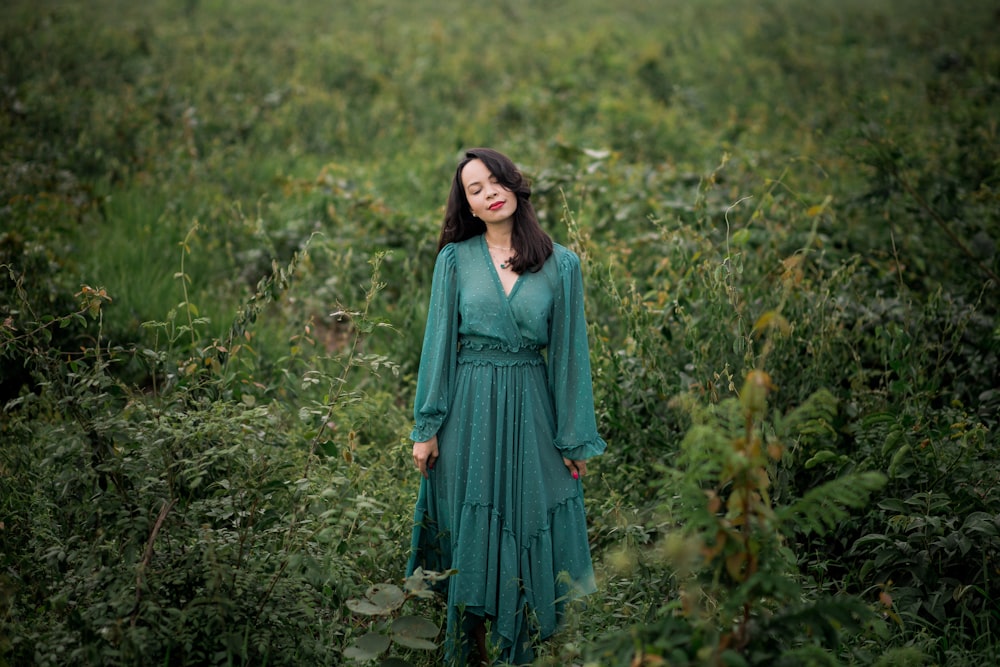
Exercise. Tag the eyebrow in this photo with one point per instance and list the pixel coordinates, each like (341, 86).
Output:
(473, 183)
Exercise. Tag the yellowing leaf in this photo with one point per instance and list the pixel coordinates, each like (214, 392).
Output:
(819, 208)
(775, 451)
(772, 320)
(736, 565)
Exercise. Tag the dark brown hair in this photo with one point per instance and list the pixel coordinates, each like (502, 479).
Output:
(532, 246)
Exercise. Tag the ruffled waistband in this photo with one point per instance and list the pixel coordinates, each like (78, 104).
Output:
(498, 356)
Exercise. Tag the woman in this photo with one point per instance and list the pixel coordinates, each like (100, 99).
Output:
(504, 416)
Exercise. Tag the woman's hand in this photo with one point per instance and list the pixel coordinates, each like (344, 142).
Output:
(425, 454)
(576, 468)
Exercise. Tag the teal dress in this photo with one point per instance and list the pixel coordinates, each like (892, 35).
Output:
(505, 383)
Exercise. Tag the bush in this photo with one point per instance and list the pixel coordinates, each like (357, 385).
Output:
(187, 526)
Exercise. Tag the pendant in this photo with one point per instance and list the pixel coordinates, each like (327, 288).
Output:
(503, 266)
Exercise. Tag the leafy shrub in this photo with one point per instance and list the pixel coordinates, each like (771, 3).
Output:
(405, 631)
(738, 597)
(189, 526)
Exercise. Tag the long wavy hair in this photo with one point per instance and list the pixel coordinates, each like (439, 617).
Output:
(531, 245)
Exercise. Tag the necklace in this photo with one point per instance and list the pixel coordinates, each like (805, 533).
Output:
(504, 264)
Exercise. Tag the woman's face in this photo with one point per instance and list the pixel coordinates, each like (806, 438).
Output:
(489, 201)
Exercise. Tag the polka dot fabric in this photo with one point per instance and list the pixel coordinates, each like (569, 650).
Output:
(505, 384)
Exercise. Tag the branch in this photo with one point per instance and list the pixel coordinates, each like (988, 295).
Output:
(148, 555)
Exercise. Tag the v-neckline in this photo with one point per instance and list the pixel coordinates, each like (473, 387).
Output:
(496, 275)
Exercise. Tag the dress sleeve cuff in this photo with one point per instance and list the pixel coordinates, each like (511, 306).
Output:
(424, 431)
(582, 451)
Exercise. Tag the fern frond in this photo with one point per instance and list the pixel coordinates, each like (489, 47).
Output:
(811, 420)
(822, 507)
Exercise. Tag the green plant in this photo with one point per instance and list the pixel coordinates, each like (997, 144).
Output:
(186, 525)
(739, 596)
(409, 631)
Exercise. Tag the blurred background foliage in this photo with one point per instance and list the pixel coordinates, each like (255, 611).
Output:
(218, 222)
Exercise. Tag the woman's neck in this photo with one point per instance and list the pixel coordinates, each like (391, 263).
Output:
(498, 236)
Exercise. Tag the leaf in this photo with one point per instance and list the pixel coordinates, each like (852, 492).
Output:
(822, 507)
(772, 321)
(366, 607)
(817, 209)
(414, 626)
(416, 584)
(414, 642)
(822, 456)
(813, 418)
(731, 658)
(381, 600)
(740, 237)
(893, 505)
(897, 460)
(367, 647)
(981, 522)
(373, 641)
(775, 451)
(735, 565)
(389, 596)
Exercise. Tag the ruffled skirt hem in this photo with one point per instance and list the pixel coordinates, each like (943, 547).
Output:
(520, 584)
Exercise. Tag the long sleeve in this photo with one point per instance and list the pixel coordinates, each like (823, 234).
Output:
(439, 354)
(569, 366)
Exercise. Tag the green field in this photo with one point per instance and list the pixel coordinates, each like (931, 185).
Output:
(218, 222)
